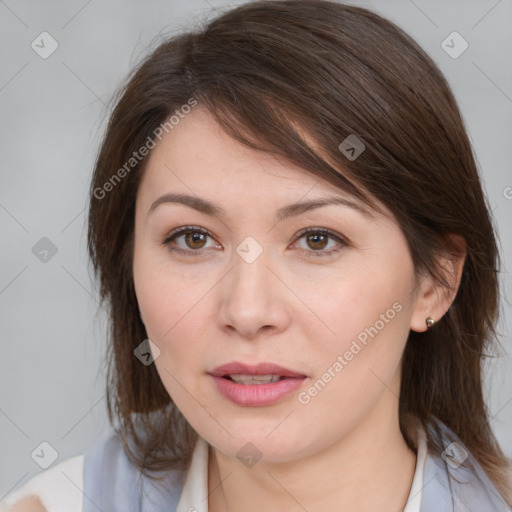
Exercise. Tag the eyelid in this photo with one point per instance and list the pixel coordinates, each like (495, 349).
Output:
(340, 239)
(324, 231)
(184, 229)
(175, 233)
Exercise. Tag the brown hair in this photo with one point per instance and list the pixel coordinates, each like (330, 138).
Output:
(269, 71)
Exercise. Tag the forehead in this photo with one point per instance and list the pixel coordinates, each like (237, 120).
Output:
(198, 157)
(198, 150)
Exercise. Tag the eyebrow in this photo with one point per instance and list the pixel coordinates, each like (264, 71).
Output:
(291, 210)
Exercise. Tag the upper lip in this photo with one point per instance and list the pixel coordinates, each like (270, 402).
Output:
(259, 369)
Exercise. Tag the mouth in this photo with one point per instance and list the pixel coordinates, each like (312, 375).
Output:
(254, 374)
(248, 379)
(256, 385)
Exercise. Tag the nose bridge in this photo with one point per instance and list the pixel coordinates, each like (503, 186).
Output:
(250, 298)
(249, 250)
(249, 277)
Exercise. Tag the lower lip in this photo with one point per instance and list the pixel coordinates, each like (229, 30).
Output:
(257, 395)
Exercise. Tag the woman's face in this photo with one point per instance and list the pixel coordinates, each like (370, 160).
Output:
(246, 285)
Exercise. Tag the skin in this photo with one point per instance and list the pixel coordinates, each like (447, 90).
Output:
(344, 449)
(28, 504)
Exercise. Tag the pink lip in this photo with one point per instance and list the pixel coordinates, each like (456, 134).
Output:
(259, 369)
(256, 395)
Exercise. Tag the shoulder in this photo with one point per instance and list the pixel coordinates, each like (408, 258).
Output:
(28, 504)
(455, 480)
(61, 487)
(57, 489)
(113, 482)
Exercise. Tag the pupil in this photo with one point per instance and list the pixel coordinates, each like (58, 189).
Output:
(315, 240)
(194, 238)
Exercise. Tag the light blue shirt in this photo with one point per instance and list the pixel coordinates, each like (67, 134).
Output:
(452, 481)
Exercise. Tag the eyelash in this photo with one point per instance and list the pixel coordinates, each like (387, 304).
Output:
(314, 254)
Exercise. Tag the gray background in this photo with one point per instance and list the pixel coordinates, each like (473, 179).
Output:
(52, 114)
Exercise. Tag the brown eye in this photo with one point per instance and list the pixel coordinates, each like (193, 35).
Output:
(317, 241)
(188, 240)
(195, 239)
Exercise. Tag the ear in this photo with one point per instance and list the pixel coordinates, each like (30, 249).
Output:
(434, 298)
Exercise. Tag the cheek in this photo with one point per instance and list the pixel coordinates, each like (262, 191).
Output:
(356, 367)
(165, 295)
(178, 320)
(364, 326)
(170, 312)
(357, 305)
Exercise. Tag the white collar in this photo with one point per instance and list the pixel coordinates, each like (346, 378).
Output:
(414, 499)
(194, 496)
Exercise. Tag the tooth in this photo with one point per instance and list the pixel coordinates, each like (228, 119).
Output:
(254, 379)
(248, 377)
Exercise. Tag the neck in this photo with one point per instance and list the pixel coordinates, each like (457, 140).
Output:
(370, 468)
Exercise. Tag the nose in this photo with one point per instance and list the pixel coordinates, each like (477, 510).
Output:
(253, 298)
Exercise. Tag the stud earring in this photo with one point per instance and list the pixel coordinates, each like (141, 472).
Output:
(430, 322)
